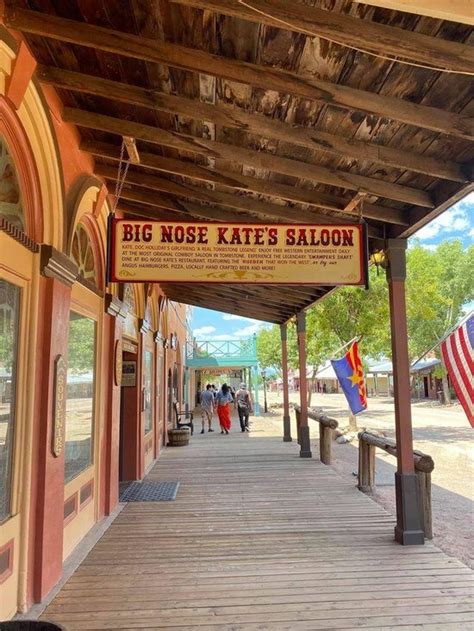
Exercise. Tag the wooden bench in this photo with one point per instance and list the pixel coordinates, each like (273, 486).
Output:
(183, 419)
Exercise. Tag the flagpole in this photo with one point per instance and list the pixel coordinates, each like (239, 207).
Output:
(451, 330)
(354, 339)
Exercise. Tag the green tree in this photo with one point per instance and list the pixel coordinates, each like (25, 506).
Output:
(81, 345)
(439, 283)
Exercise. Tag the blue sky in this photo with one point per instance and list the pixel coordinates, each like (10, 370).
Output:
(455, 223)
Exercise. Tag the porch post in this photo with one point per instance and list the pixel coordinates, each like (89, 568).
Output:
(409, 530)
(286, 398)
(256, 403)
(305, 446)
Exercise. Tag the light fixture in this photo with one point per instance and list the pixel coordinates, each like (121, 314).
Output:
(379, 259)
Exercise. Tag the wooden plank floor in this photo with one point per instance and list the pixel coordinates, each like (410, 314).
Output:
(260, 539)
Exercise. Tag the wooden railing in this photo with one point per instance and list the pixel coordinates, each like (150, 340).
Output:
(326, 427)
(424, 465)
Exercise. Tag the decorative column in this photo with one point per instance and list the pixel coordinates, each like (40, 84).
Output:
(115, 313)
(58, 274)
(305, 446)
(409, 530)
(286, 395)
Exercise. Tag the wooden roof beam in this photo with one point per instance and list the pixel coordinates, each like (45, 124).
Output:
(250, 157)
(258, 124)
(265, 211)
(266, 77)
(247, 183)
(211, 301)
(348, 30)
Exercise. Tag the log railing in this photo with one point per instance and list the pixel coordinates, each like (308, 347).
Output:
(424, 465)
(326, 427)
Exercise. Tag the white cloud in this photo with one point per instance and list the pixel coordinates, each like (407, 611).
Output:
(204, 330)
(251, 329)
(471, 233)
(456, 219)
(232, 316)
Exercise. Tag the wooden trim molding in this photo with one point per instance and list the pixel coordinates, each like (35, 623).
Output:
(6, 560)
(18, 235)
(115, 307)
(143, 325)
(70, 509)
(86, 494)
(55, 264)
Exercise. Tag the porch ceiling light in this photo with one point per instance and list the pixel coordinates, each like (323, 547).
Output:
(379, 259)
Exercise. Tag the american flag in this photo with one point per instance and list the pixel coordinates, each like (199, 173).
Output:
(458, 355)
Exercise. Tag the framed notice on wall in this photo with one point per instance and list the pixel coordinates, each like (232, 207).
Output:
(155, 251)
(129, 374)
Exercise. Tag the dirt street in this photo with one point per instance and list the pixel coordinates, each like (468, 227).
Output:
(442, 432)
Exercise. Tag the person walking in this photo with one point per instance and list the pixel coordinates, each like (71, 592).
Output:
(244, 403)
(207, 407)
(224, 399)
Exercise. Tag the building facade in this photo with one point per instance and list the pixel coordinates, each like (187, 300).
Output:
(89, 372)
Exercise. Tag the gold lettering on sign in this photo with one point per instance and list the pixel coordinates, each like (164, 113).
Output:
(59, 404)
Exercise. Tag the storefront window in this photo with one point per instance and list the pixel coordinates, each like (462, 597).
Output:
(147, 386)
(9, 322)
(10, 195)
(80, 395)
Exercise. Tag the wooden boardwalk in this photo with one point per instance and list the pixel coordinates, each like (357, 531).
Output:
(260, 539)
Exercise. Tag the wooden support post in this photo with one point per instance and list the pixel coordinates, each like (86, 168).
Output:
(424, 489)
(366, 467)
(298, 424)
(408, 530)
(286, 395)
(325, 443)
(305, 445)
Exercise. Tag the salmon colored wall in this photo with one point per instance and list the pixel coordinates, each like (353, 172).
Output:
(48, 472)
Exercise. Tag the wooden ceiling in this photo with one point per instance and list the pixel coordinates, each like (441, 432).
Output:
(252, 112)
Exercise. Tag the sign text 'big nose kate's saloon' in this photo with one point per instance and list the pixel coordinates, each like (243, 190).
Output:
(154, 251)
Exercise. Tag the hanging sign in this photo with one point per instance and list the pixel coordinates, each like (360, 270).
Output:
(155, 251)
(59, 404)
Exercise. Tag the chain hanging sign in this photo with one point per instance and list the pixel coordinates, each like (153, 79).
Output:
(156, 251)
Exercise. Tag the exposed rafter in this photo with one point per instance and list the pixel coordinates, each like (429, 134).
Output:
(258, 124)
(266, 211)
(251, 184)
(249, 157)
(351, 31)
(282, 81)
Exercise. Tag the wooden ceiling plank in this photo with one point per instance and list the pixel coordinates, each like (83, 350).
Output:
(265, 211)
(235, 117)
(210, 301)
(247, 183)
(146, 212)
(256, 315)
(250, 157)
(269, 78)
(348, 30)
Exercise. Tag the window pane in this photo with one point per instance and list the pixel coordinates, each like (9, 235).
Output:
(80, 395)
(147, 384)
(9, 319)
(10, 195)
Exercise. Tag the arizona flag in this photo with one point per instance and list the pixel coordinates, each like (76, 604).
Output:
(351, 377)
(458, 355)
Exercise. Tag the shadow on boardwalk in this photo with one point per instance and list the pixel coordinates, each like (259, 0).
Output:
(259, 539)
